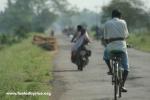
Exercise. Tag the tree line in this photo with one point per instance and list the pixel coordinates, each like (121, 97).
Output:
(23, 16)
(134, 12)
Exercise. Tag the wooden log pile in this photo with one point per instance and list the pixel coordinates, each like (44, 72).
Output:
(48, 43)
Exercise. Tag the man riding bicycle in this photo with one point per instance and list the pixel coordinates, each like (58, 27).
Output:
(115, 33)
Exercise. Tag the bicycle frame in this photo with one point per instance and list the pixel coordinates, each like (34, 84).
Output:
(117, 76)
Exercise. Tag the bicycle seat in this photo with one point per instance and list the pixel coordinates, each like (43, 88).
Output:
(116, 54)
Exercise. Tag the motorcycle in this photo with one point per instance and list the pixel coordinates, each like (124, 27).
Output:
(82, 57)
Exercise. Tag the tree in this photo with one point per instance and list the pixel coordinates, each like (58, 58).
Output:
(43, 20)
(133, 12)
(23, 16)
(17, 14)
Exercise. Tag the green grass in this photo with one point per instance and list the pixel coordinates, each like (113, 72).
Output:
(25, 67)
(92, 33)
(140, 41)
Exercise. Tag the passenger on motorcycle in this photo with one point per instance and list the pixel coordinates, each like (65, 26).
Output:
(81, 39)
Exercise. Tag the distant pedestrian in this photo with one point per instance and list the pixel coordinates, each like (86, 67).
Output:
(52, 33)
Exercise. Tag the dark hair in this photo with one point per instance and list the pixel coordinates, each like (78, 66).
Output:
(79, 27)
(83, 30)
(116, 13)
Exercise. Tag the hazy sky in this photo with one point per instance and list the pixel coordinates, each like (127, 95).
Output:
(93, 5)
(81, 4)
(2, 4)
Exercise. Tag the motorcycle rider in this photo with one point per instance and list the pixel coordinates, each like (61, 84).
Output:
(77, 34)
(81, 38)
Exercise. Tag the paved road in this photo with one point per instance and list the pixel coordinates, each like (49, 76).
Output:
(93, 83)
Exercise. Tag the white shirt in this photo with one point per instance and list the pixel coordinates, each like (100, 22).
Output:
(79, 41)
(116, 28)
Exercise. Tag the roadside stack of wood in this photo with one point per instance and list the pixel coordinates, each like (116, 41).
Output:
(48, 43)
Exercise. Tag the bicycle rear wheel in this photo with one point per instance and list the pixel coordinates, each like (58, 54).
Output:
(120, 91)
(120, 82)
(116, 86)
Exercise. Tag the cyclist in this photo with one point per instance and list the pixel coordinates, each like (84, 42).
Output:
(115, 33)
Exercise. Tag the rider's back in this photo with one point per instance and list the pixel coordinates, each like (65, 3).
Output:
(116, 28)
(80, 40)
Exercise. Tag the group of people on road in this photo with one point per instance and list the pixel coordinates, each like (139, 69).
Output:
(114, 38)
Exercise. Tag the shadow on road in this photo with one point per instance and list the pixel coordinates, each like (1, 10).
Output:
(104, 99)
(134, 78)
(65, 70)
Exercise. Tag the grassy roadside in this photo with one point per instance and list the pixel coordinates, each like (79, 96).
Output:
(92, 33)
(25, 67)
(140, 41)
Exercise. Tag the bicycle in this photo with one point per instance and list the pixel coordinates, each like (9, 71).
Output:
(115, 57)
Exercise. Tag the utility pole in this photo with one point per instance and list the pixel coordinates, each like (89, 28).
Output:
(97, 16)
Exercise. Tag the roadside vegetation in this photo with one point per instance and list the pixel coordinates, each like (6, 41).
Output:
(25, 68)
(140, 41)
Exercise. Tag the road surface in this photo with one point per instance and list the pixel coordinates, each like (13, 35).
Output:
(93, 83)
